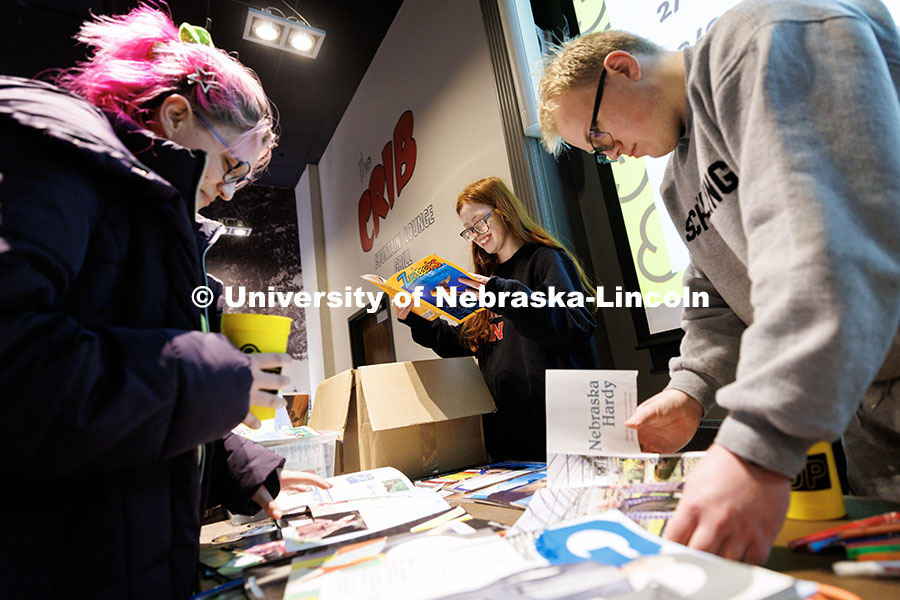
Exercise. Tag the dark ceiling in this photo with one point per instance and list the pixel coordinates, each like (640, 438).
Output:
(311, 95)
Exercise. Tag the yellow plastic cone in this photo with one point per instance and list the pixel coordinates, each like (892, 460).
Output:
(816, 491)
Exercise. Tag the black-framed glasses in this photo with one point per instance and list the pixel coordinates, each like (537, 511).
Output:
(239, 172)
(601, 141)
(479, 227)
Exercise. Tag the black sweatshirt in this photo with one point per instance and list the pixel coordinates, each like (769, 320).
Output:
(524, 343)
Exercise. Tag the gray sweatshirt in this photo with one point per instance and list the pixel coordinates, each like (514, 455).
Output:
(786, 189)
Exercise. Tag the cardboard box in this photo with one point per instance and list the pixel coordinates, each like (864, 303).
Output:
(422, 417)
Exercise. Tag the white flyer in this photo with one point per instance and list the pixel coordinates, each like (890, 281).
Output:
(587, 410)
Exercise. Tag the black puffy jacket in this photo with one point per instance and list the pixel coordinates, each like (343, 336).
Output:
(106, 388)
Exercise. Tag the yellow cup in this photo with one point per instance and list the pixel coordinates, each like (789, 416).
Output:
(816, 491)
(251, 333)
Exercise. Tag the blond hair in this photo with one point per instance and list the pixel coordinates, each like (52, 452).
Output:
(575, 64)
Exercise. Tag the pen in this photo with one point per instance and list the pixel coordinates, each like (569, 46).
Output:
(849, 568)
(878, 540)
(800, 542)
(858, 532)
(873, 547)
(837, 540)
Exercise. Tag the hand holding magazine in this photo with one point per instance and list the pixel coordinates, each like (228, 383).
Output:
(436, 286)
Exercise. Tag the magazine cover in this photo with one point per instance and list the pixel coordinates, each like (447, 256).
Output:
(427, 277)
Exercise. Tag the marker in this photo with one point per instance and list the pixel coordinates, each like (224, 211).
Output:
(891, 517)
(878, 540)
(879, 556)
(854, 532)
(874, 547)
(849, 568)
(883, 529)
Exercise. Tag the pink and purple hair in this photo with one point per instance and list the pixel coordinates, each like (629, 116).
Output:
(138, 59)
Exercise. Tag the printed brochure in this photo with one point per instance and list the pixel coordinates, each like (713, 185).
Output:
(587, 410)
(431, 281)
(516, 493)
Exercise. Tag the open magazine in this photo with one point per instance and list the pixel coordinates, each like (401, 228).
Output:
(595, 463)
(435, 285)
(356, 506)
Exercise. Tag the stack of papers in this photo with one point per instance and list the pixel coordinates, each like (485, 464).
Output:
(603, 556)
(507, 483)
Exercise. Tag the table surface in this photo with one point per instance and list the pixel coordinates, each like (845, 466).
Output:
(802, 565)
(817, 567)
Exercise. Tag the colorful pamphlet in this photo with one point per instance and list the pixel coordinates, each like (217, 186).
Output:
(436, 287)
(515, 492)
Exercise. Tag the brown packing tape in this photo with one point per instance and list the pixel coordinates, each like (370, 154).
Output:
(428, 448)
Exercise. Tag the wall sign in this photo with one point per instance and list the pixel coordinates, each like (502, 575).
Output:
(398, 161)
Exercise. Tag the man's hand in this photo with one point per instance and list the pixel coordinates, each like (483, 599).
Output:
(730, 507)
(290, 480)
(666, 421)
(263, 381)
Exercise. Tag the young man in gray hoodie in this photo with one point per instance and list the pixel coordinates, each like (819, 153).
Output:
(784, 182)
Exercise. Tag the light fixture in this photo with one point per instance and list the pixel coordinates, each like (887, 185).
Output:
(269, 27)
(267, 31)
(235, 227)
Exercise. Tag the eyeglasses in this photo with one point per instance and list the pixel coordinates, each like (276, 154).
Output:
(236, 173)
(479, 227)
(601, 141)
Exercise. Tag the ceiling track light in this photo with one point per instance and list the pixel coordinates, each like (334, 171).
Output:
(233, 226)
(270, 27)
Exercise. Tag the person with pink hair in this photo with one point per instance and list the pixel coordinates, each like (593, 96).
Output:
(115, 387)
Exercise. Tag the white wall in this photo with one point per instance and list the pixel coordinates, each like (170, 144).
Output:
(435, 62)
(312, 260)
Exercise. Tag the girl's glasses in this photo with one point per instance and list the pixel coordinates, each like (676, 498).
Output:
(479, 227)
(236, 173)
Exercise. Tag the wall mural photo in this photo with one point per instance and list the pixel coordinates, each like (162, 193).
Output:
(269, 257)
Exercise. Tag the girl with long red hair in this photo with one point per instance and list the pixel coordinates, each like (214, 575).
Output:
(514, 345)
